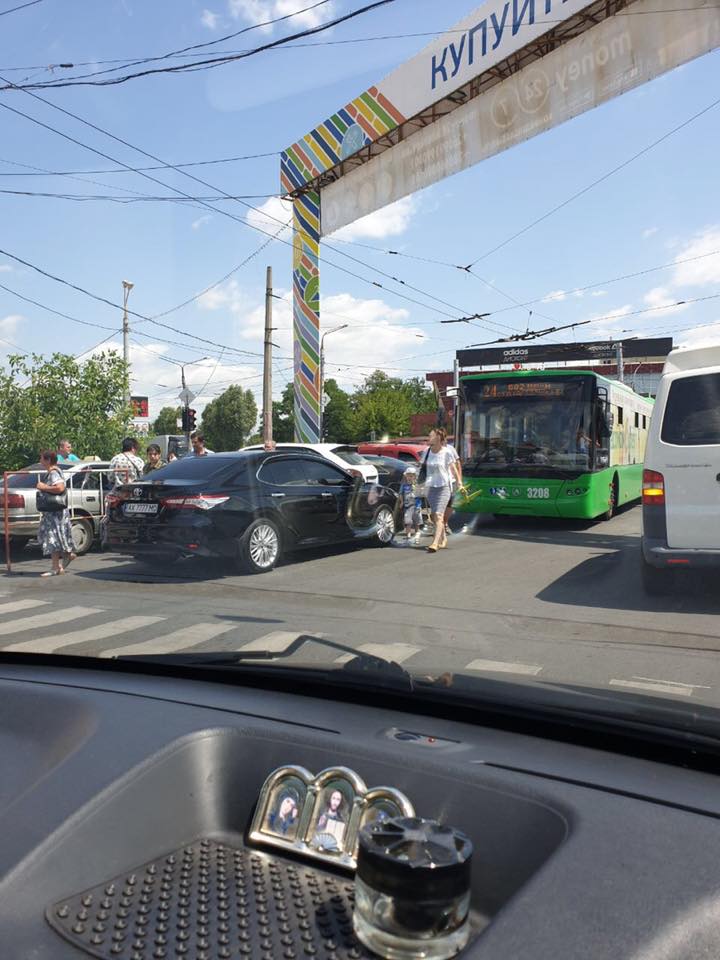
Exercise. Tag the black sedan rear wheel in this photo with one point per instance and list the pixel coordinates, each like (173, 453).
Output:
(260, 547)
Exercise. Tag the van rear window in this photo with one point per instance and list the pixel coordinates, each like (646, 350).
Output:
(692, 412)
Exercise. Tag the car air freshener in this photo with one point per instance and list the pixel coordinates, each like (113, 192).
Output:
(412, 889)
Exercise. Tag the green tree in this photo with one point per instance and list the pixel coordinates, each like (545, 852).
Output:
(338, 414)
(381, 407)
(229, 419)
(43, 400)
(166, 421)
(284, 416)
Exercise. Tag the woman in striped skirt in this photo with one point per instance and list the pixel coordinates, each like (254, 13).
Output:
(441, 467)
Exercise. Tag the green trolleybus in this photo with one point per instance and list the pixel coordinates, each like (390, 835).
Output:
(550, 443)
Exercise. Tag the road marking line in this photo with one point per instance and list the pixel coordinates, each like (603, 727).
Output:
(501, 666)
(182, 639)
(388, 651)
(679, 690)
(99, 632)
(47, 619)
(277, 642)
(675, 683)
(21, 605)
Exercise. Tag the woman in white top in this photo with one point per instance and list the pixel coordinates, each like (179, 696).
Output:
(441, 468)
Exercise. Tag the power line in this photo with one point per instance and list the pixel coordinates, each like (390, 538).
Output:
(58, 313)
(81, 81)
(30, 3)
(140, 198)
(109, 303)
(228, 56)
(592, 185)
(160, 166)
(187, 196)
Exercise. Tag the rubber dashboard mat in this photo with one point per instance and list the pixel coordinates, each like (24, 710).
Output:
(212, 900)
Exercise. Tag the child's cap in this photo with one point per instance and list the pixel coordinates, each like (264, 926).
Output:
(410, 470)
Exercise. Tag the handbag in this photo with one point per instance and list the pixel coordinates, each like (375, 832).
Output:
(51, 502)
(422, 474)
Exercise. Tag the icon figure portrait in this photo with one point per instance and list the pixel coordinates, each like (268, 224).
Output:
(284, 808)
(333, 817)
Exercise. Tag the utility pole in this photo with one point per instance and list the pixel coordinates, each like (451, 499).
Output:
(127, 287)
(620, 361)
(267, 363)
(322, 370)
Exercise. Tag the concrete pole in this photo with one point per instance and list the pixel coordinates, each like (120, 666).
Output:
(267, 362)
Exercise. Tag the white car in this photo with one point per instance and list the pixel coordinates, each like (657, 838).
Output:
(340, 454)
(681, 478)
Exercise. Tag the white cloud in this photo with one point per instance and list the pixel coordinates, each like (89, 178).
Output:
(261, 11)
(270, 216)
(555, 296)
(154, 377)
(662, 301)
(599, 293)
(10, 323)
(609, 324)
(700, 272)
(376, 334)
(704, 336)
(390, 221)
(210, 19)
(6, 268)
(650, 232)
(196, 224)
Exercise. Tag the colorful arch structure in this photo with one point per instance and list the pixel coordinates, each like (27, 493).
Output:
(507, 72)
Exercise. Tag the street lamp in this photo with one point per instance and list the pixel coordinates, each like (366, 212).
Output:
(127, 287)
(322, 369)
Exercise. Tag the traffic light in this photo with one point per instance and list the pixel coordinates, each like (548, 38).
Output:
(188, 418)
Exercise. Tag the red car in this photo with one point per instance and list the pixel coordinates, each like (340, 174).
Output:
(410, 451)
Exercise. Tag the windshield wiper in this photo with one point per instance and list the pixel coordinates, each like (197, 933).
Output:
(374, 668)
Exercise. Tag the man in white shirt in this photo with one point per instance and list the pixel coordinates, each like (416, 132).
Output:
(198, 446)
(126, 467)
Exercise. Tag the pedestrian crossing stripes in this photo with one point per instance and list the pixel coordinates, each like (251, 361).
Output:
(16, 605)
(182, 639)
(29, 625)
(55, 642)
(42, 620)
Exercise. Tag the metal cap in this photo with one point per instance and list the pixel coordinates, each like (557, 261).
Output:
(415, 859)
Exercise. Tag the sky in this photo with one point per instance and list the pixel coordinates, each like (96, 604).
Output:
(657, 211)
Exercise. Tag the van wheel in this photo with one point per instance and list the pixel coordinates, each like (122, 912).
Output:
(613, 500)
(259, 548)
(656, 581)
(83, 536)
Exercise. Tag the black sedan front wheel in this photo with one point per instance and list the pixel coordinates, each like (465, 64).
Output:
(384, 524)
(260, 547)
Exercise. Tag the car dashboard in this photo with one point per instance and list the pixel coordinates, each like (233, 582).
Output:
(128, 816)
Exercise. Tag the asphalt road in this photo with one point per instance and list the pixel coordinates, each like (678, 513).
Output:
(550, 601)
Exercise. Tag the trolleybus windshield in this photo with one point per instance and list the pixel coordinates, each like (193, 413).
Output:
(513, 424)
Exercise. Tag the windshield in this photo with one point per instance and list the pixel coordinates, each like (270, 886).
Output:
(511, 424)
(349, 455)
(285, 231)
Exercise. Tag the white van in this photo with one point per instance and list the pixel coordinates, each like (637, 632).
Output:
(681, 479)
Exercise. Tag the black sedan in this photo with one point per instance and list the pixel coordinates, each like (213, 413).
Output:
(249, 507)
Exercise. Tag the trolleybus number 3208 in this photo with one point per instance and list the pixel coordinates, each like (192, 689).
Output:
(538, 493)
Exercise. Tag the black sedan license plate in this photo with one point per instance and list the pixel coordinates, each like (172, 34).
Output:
(141, 508)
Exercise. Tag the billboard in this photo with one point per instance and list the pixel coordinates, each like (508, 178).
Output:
(139, 406)
(486, 37)
(613, 57)
(597, 351)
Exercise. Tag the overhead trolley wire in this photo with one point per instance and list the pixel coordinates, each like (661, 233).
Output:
(85, 79)
(204, 183)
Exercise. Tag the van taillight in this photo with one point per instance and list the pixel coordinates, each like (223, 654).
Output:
(653, 489)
